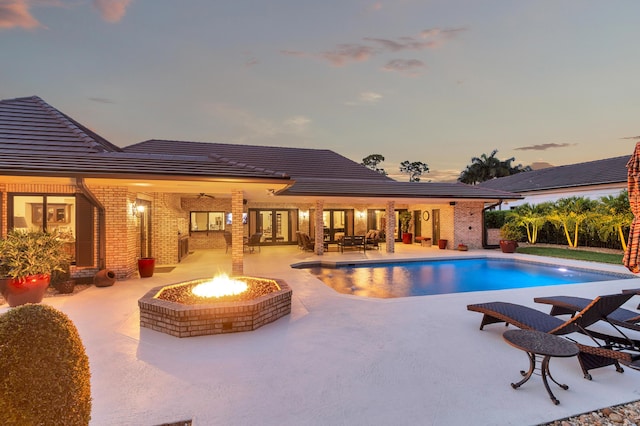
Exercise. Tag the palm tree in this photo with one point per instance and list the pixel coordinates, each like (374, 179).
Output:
(532, 217)
(488, 167)
(613, 215)
(569, 214)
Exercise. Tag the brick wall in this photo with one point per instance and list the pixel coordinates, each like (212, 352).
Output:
(467, 217)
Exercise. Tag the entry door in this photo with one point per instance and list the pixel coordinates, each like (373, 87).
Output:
(417, 223)
(435, 224)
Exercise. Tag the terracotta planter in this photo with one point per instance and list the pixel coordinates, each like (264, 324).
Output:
(442, 244)
(407, 237)
(508, 246)
(462, 247)
(146, 266)
(104, 278)
(29, 289)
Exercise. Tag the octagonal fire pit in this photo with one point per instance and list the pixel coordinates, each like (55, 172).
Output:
(203, 307)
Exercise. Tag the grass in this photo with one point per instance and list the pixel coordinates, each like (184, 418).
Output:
(566, 253)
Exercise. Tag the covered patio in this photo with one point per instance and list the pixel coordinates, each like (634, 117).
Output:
(336, 359)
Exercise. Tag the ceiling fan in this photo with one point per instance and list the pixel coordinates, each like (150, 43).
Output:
(203, 195)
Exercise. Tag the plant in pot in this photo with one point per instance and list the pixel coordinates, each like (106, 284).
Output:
(27, 259)
(405, 223)
(510, 234)
(61, 280)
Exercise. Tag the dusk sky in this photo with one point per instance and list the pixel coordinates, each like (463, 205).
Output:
(440, 82)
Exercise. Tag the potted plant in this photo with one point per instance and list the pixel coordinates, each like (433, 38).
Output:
(61, 280)
(405, 223)
(510, 234)
(27, 259)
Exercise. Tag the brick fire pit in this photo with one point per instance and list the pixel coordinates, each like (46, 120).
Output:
(182, 320)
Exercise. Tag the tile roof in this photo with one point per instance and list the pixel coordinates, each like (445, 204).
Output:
(126, 165)
(394, 189)
(295, 162)
(599, 172)
(36, 138)
(30, 123)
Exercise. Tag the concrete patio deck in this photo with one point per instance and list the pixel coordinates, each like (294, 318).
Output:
(335, 360)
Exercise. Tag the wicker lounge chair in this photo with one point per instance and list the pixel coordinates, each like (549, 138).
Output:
(590, 357)
(562, 305)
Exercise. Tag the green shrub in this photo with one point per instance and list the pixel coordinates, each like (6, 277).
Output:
(511, 231)
(494, 219)
(45, 377)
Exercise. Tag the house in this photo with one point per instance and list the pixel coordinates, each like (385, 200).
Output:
(163, 199)
(592, 179)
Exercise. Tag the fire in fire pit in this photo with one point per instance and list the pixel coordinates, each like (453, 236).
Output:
(220, 286)
(214, 306)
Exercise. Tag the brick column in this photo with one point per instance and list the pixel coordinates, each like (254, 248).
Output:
(390, 232)
(237, 233)
(319, 224)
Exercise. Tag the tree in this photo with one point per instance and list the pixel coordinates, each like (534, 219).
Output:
(414, 169)
(372, 161)
(613, 214)
(532, 217)
(488, 167)
(569, 214)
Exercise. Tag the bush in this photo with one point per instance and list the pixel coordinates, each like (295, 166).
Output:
(511, 231)
(494, 219)
(45, 377)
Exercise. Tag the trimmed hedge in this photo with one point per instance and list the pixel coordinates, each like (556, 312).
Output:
(45, 377)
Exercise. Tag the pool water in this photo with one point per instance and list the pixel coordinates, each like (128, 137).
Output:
(450, 276)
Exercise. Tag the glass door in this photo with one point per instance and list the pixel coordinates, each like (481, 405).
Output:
(277, 226)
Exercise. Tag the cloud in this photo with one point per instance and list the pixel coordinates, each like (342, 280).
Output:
(102, 100)
(17, 14)
(376, 6)
(297, 124)
(537, 165)
(112, 10)
(366, 98)
(244, 127)
(632, 137)
(544, 146)
(347, 53)
(409, 67)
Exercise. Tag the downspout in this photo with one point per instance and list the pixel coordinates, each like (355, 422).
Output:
(102, 235)
(484, 227)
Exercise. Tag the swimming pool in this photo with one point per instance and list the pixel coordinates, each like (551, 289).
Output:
(450, 276)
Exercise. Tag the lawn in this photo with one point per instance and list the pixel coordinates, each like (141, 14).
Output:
(566, 253)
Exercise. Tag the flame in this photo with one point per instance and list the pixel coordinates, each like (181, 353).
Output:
(219, 286)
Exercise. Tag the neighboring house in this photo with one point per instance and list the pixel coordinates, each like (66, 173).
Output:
(163, 198)
(593, 179)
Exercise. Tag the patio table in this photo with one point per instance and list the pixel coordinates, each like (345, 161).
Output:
(536, 343)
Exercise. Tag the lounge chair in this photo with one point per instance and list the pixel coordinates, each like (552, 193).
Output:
(590, 357)
(563, 305)
(253, 242)
(306, 243)
(371, 240)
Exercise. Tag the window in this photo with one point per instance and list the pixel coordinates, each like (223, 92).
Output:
(207, 221)
(49, 212)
